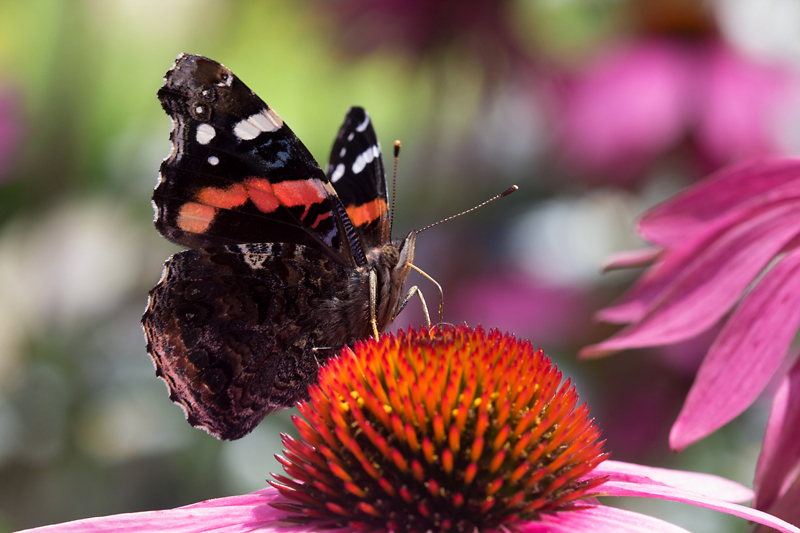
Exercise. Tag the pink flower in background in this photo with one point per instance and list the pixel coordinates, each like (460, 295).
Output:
(644, 99)
(530, 307)
(727, 244)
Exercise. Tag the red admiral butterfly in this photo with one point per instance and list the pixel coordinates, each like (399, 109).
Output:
(286, 262)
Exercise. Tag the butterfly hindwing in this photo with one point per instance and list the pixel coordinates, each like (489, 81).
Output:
(236, 172)
(233, 330)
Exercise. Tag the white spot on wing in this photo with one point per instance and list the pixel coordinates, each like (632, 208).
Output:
(205, 132)
(245, 131)
(255, 261)
(256, 255)
(213, 160)
(342, 151)
(350, 137)
(338, 173)
(265, 121)
(365, 158)
(359, 164)
(363, 125)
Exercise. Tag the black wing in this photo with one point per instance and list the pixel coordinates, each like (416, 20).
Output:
(236, 172)
(357, 173)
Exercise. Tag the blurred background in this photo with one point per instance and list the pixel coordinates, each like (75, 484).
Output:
(596, 109)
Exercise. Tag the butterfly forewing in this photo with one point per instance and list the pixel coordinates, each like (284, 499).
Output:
(236, 172)
(356, 172)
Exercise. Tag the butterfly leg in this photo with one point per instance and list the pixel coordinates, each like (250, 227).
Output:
(316, 349)
(411, 292)
(441, 294)
(373, 301)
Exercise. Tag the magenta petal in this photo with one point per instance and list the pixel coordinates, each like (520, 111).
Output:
(697, 229)
(734, 187)
(621, 488)
(649, 288)
(695, 238)
(597, 519)
(673, 263)
(745, 355)
(708, 287)
(786, 507)
(780, 455)
(706, 484)
(236, 514)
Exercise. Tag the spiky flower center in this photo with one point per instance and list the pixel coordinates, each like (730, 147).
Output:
(447, 429)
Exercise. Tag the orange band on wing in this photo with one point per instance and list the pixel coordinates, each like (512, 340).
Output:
(195, 218)
(320, 218)
(299, 192)
(365, 213)
(261, 193)
(267, 197)
(225, 198)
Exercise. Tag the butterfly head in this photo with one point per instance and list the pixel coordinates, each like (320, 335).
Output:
(399, 253)
(392, 263)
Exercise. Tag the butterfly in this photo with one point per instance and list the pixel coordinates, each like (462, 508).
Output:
(286, 263)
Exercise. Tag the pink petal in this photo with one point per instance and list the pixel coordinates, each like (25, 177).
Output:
(673, 262)
(780, 455)
(236, 514)
(597, 519)
(621, 488)
(708, 287)
(737, 187)
(706, 484)
(786, 507)
(652, 284)
(746, 354)
(631, 259)
(698, 229)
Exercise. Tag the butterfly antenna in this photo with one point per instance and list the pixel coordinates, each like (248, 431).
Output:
(394, 184)
(508, 191)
